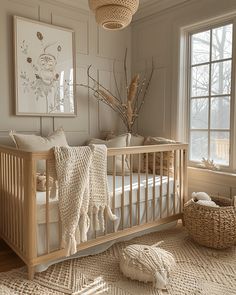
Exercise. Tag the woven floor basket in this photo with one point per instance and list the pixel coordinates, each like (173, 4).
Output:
(211, 226)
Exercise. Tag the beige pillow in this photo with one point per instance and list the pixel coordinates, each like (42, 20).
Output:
(147, 264)
(116, 142)
(166, 156)
(36, 143)
(135, 140)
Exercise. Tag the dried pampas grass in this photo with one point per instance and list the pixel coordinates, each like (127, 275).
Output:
(128, 108)
(133, 88)
(109, 98)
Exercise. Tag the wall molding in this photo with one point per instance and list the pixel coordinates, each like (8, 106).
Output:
(81, 5)
(146, 8)
(153, 7)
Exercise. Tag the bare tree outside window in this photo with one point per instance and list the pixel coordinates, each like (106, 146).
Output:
(210, 94)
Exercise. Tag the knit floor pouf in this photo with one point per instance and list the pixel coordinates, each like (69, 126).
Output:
(147, 264)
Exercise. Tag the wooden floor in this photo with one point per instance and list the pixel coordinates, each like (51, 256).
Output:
(8, 259)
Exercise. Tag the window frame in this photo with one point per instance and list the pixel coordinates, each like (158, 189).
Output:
(184, 81)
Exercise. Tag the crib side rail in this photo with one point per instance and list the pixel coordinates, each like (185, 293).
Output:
(147, 149)
(17, 201)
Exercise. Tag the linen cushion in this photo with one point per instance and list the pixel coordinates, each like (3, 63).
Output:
(147, 264)
(36, 143)
(135, 140)
(116, 142)
(168, 157)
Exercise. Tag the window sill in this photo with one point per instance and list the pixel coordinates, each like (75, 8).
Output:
(214, 179)
(213, 172)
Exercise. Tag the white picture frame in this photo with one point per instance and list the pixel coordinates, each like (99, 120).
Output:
(44, 69)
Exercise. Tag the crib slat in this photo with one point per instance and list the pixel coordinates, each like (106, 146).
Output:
(18, 203)
(180, 180)
(131, 192)
(12, 200)
(154, 186)
(1, 189)
(185, 176)
(168, 185)
(161, 183)
(138, 197)
(15, 199)
(8, 197)
(1, 195)
(105, 220)
(4, 194)
(146, 189)
(123, 192)
(22, 211)
(114, 188)
(47, 209)
(175, 178)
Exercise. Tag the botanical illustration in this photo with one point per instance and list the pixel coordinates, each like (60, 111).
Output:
(45, 72)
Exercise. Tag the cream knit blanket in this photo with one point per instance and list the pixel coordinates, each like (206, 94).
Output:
(82, 192)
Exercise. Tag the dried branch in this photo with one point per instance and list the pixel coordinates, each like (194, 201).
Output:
(98, 84)
(140, 90)
(146, 89)
(128, 108)
(125, 69)
(98, 93)
(114, 75)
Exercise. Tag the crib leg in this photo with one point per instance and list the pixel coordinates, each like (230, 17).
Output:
(31, 272)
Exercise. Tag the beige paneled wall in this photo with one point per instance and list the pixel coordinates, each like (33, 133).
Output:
(157, 36)
(93, 46)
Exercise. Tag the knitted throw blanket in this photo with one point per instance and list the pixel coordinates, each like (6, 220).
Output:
(82, 192)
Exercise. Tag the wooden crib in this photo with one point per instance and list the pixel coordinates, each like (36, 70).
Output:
(19, 215)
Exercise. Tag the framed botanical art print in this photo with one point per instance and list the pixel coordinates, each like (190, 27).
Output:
(44, 69)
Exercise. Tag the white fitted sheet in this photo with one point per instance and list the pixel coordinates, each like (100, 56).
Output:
(53, 203)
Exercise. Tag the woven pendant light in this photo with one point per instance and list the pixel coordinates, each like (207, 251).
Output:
(114, 14)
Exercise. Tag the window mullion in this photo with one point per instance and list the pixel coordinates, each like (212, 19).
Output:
(232, 154)
(209, 98)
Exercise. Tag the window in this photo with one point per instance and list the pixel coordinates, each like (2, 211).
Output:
(210, 95)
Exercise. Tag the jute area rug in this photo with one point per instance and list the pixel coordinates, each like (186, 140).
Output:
(199, 270)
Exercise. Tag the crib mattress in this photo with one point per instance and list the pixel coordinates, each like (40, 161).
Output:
(150, 183)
